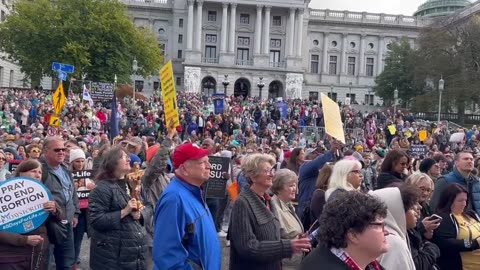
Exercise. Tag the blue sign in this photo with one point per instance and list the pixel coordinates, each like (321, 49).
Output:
(218, 103)
(63, 67)
(62, 75)
(21, 205)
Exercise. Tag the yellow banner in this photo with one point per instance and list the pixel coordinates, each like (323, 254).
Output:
(422, 135)
(333, 121)
(54, 121)
(59, 99)
(169, 94)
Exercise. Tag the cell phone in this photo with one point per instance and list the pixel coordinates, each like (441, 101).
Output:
(436, 217)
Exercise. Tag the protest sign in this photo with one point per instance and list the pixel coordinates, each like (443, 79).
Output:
(422, 135)
(21, 205)
(101, 91)
(169, 94)
(457, 137)
(217, 184)
(418, 149)
(12, 165)
(333, 121)
(218, 103)
(82, 180)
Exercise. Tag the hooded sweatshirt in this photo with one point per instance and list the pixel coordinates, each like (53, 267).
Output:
(399, 255)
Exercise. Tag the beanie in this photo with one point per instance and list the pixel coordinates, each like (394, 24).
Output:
(426, 164)
(76, 154)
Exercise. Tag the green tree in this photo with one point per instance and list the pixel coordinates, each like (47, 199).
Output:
(399, 73)
(96, 36)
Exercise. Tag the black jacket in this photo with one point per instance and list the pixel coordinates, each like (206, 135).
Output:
(323, 258)
(116, 243)
(389, 179)
(445, 236)
(424, 253)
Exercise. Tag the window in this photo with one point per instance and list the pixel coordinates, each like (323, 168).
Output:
(244, 19)
(369, 99)
(180, 23)
(277, 21)
(210, 38)
(314, 63)
(352, 45)
(352, 98)
(180, 39)
(313, 96)
(332, 95)
(275, 43)
(156, 85)
(243, 41)
(351, 66)
(315, 42)
(178, 81)
(242, 56)
(162, 48)
(138, 86)
(179, 54)
(3, 16)
(161, 32)
(369, 67)
(210, 52)
(334, 44)
(212, 16)
(275, 58)
(370, 46)
(332, 67)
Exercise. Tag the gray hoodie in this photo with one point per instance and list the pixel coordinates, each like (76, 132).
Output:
(399, 255)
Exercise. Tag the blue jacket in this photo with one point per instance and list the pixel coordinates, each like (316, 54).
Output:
(184, 230)
(472, 184)
(307, 177)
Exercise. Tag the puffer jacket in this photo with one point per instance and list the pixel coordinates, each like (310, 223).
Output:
(116, 243)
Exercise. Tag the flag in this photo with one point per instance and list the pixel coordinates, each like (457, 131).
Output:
(86, 96)
(113, 118)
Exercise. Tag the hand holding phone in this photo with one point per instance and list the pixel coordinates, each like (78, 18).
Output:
(435, 217)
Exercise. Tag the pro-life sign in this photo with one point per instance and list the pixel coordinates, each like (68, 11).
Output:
(217, 184)
(82, 181)
(21, 205)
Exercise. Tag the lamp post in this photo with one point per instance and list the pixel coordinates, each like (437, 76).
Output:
(331, 91)
(395, 98)
(225, 84)
(441, 85)
(260, 85)
(135, 69)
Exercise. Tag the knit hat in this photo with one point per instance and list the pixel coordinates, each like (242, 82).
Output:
(426, 164)
(380, 152)
(75, 154)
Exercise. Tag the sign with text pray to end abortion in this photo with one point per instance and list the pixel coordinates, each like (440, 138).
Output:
(21, 205)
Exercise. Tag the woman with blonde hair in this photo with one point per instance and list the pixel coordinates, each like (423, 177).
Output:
(346, 176)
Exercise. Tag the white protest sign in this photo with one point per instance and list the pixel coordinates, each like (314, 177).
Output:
(21, 204)
(457, 137)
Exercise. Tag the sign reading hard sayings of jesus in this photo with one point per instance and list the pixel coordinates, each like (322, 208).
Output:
(21, 205)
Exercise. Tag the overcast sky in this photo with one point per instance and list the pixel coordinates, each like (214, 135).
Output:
(405, 7)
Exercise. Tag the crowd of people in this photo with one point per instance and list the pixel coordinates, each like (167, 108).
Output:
(398, 194)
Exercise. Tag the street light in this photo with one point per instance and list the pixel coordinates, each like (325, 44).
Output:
(441, 85)
(395, 99)
(331, 91)
(260, 85)
(135, 69)
(225, 84)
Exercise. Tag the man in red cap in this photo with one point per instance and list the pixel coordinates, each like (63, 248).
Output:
(185, 236)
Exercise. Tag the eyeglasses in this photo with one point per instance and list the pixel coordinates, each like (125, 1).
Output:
(58, 150)
(380, 225)
(270, 171)
(356, 171)
(429, 190)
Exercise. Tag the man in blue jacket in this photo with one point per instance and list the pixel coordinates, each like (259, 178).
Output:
(185, 236)
(461, 174)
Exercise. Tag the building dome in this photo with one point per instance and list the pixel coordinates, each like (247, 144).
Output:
(436, 8)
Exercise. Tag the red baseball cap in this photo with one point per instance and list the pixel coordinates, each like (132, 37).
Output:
(188, 151)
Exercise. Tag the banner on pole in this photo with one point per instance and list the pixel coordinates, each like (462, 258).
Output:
(169, 94)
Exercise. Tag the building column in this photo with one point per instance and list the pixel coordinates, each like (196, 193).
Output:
(291, 31)
(223, 44)
(258, 30)
(381, 44)
(190, 25)
(362, 55)
(266, 31)
(343, 56)
(233, 27)
(198, 45)
(300, 32)
(325, 53)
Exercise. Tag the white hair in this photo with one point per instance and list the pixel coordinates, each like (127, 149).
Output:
(338, 179)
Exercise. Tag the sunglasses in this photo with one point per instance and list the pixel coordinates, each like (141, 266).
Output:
(58, 150)
(3, 159)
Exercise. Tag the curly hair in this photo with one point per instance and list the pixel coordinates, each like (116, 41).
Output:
(348, 211)
(392, 158)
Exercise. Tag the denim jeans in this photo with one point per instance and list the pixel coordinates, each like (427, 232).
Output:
(79, 232)
(65, 253)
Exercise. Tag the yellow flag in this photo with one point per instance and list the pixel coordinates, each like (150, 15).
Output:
(169, 94)
(54, 121)
(59, 99)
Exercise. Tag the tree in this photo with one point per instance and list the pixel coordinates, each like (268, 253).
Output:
(399, 73)
(96, 36)
(452, 52)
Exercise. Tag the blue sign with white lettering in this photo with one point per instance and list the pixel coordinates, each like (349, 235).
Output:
(56, 66)
(67, 68)
(21, 204)
(62, 75)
